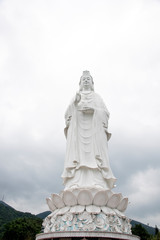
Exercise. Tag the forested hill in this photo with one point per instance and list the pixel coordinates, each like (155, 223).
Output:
(8, 214)
(149, 229)
(43, 215)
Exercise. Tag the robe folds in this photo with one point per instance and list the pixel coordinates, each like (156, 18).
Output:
(87, 162)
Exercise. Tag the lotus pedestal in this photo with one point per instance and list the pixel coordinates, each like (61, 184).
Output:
(87, 213)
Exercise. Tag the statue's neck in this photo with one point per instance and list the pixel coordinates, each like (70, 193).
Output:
(87, 89)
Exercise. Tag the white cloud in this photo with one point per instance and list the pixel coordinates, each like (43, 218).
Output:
(144, 195)
(145, 187)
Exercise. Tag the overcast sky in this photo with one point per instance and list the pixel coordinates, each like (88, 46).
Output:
(44, 47)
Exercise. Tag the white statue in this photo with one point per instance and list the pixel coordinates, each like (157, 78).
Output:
(87, 162)
(87, 203)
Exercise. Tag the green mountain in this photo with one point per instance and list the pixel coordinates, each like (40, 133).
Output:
(8, 214)
(149, 229)
(43, 214)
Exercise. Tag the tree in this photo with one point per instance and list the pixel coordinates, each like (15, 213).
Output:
(140, 231)
(22, 229)
(156, 230)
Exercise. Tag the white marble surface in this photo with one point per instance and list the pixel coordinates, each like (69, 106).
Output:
(87, 218)
(69, 198)
(101, 198)
(87, 222)
(87, 161)
(86, 197)
(57, 200)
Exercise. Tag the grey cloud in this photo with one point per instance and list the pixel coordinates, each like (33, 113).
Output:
(42, 60)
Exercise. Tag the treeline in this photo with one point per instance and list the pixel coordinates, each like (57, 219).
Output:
(13, 224)
(21, 229)
(140, 231)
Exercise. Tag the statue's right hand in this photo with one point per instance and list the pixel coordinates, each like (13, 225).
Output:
(77, 98)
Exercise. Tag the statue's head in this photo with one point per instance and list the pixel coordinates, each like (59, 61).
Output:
(86, 81)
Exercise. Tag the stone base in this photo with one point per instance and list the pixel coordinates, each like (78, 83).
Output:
(86, 213)
(85, 235)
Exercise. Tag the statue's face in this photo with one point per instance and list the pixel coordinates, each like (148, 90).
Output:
(86, 82)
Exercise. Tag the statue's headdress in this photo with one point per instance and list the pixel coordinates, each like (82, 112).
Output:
(86, 72)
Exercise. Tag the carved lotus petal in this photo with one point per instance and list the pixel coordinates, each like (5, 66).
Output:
(120, 214)
(50, 215)
(123, 205)
(50, 204)
(85, 198)
(100, 198)
(114, 200)
(63, 210)
(94, 191)
(57, 200)
(93, 209)
(55, 213)
(85, 217)
(77, 209)
(89, 227)
(53, 229)
(45, 222)
(107, 211)
(80, 224)
(53, 220)
(67, 217)
(69, 198)
(99, 222)
(109, 193)
(47, 229)
(76, 192)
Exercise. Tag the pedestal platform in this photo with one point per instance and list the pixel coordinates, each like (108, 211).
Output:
(84, 235)
(87, 210)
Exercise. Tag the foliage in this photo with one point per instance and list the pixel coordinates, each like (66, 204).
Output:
(7, 214)
(22, 229)
(157, 234)
(156, 230)
(140, 231)
(149, 229)
(156, 237)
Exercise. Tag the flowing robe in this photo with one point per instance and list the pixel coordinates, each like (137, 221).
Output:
(87, 161)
